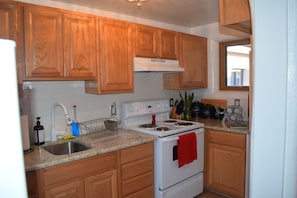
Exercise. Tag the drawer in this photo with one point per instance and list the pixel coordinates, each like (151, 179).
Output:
(144, 193)
(137, 183)
(137, 168)
(137, 152)
(226, 138)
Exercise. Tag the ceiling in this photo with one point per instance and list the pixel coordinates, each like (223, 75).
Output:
(187, 13)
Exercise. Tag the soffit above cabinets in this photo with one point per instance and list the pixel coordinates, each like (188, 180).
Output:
(186, 13)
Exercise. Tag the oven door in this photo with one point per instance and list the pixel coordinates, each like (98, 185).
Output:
(166, 163)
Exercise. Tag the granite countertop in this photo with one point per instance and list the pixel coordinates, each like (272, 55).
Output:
(217, 125)
(40, 158)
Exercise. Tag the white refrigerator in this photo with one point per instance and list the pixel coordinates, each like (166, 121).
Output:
(12, 171)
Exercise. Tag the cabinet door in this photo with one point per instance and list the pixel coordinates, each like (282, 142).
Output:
(43, 42)
(225, 163)
(7, 20)
(116, 67)
(73, 189)
(227, 168)
(193, 58)
(103, 185)
(79, 46)
(168, 44)
(146, 41)
(236, 14)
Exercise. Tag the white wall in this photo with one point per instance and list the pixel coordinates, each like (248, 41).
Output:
(273, 135)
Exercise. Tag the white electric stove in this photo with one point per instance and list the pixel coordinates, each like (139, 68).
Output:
(152, 117)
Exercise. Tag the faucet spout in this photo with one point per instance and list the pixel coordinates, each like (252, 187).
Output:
(68, 120)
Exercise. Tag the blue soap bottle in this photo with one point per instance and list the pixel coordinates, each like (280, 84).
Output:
(75, 124)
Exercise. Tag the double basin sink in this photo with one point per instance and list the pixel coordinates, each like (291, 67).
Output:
(66, 148)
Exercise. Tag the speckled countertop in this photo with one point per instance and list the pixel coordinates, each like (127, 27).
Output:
(217, 125)
(40, 158)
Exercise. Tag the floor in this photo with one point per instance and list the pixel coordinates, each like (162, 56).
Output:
(209, 195)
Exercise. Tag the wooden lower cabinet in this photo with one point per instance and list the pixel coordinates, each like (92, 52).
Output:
(137, 170)
(225, 162)
(125, 173)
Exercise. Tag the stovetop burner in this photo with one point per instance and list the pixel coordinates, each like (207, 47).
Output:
(184, 124)
(163, 129)
(147, 126)
(170, 121)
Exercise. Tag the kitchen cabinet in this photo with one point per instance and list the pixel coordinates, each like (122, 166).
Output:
(156, 43)
(58, 45)
(90, 177)
(225, 159)
(7, 19)
(79, 45)
(193, 58)
(137, 170)
(124, 173)
(236, 14)
(10, 28)
(115, 73)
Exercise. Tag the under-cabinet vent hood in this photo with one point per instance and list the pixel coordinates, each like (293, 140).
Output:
(156, 65)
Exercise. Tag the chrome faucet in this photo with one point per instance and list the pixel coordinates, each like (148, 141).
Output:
(68, 120)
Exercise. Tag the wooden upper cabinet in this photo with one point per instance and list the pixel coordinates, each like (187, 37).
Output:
(236, 14)
(193, 57)
(168, 44)
(156, 43)
(115, 73)
(79, 45)
(146, 41)
(43, 42)
(7, 20)
(59, 45)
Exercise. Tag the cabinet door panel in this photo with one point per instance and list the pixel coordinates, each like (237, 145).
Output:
(7, 20)
(116, 41)
(103, 185)
(226, 169)
(146, 41)
(193, 57)
(43, 42)
(168, 44)
(70, 190)
(79, 45)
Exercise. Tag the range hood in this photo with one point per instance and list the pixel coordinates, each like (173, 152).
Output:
(156, 65)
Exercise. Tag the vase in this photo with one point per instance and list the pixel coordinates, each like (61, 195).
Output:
(188, 113)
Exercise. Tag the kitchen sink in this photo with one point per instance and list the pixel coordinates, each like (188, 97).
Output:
(66, 148)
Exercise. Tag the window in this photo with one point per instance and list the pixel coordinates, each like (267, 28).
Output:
(235, 65)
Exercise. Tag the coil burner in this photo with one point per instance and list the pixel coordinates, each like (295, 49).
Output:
(170, 121)
(147, 126)
(163, 129)
(184, 124)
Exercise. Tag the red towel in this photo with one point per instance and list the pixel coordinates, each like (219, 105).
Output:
(186, 149)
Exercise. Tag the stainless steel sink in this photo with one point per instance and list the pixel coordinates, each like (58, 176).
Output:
(66, 148)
